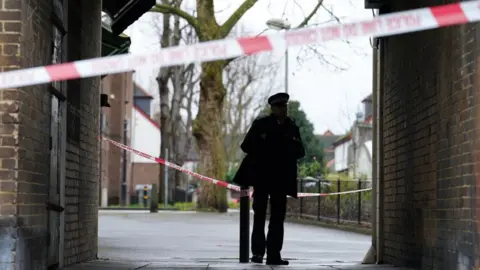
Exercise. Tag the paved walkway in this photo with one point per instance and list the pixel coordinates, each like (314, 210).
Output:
(189, 240)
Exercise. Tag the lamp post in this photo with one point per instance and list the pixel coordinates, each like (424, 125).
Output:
(281, 24)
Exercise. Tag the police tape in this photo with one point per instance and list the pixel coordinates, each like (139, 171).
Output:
(301, 194)
(174, 166)
(243, 193)
(383, 25)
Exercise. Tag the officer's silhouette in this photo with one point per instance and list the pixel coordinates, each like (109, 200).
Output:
(273, 146)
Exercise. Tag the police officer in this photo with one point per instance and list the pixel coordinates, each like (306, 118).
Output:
(273, 146)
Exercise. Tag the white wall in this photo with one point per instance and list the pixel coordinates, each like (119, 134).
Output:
(146, 137)
(341, 156)
(365, 160)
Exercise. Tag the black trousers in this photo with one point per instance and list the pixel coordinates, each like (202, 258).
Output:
(274, 239)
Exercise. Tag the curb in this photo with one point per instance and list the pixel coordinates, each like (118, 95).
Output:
(330, 225)
(138, 209)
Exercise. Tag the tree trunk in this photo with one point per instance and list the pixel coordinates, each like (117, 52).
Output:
(207, 130)
(164, 132)
(163, 91)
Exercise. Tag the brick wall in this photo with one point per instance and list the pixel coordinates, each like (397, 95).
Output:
(24, 139)
(144, 173)
(83, 156)
(430, 95)
(25, 41)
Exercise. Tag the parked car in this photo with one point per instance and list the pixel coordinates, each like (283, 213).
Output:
(312, 182)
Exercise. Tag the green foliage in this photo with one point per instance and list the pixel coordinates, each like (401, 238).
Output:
(311, 169)
(335, 176)
(313, 146)
(230, 174)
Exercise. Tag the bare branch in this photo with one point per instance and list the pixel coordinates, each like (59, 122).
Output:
(310, 16)
(231, 22)
(332, 15)
(169, 9)
(248, 81)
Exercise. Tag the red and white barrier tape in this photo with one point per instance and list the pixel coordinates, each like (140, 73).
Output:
(174, 166)
(243, 193)
(384, 25)
(333, 193)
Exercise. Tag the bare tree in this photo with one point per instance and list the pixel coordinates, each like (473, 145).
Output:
(248, 81)
(207, 127)
(176, 87)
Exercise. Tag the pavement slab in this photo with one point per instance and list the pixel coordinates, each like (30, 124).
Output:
(191, 240)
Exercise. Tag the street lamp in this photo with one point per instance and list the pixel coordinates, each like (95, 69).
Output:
(281, 24)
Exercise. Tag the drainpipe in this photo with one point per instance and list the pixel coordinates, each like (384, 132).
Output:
(100, 160)
(132, 132)
(371, 256)
(124, 165)
(380, 174)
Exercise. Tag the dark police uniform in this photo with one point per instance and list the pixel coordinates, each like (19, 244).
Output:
(270, 166)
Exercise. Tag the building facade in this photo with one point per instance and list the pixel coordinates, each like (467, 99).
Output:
(353, 152)
(116, 124)
(146, 138)
(327, 139)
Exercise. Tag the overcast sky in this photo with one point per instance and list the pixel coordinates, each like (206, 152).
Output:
(329, 97)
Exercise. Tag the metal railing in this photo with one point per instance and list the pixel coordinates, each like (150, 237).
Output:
(340, 208)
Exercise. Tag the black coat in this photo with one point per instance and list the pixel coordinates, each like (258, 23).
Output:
(272, 152)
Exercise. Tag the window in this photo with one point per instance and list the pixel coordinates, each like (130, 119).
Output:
(58, 51)
(70, 89)
(104, 124)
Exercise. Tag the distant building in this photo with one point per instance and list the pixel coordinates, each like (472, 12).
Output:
(327, 139)
(115, 118)
(353, 152)
(146, 138)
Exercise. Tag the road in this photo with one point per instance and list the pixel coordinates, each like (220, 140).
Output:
(189, 240)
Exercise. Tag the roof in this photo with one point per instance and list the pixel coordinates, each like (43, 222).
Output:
(139, 92)
(342, 139)
(328, 132)
(113, 45)
(125, 12)
(330, 163)
(146, 116)
(193, 154)
(327, 140)
(367, 99)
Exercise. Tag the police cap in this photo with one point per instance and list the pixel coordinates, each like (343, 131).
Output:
(278, 98)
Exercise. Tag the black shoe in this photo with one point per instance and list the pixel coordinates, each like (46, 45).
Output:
(277, 262)
(257, 259)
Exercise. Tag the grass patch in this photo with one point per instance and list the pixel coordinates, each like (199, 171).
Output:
(232, 205)
(133, 206)
(185, 206)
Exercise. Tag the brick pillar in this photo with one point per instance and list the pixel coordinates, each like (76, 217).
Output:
(24, 137)
(81, 217)
(431, 93)
(25, 41)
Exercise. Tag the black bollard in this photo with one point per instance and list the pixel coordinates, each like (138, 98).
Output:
(154, 199)
(145, 196)
(244, 225)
